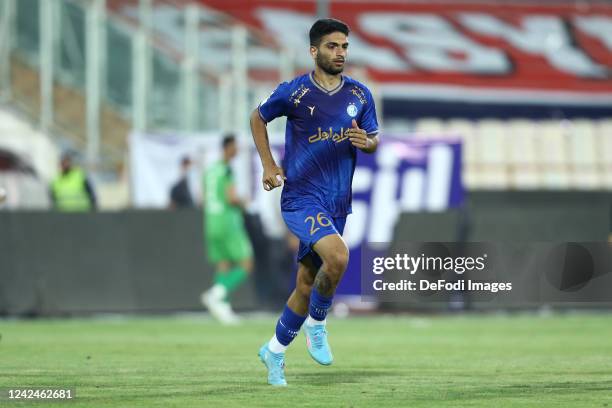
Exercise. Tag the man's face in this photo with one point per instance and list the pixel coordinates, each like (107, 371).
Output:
(186, 165)
(331, 53)
(65, 164)
(231, 150)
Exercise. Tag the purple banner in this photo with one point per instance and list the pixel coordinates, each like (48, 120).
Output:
(404, 175)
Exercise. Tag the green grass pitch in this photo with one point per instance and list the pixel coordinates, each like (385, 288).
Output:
(191, 361)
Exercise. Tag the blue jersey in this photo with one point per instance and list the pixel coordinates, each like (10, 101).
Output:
(319, 158)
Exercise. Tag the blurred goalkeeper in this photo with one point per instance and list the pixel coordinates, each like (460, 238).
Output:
(329, 117)
(228, 245)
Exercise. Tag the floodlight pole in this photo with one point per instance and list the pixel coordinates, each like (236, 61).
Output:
(141, 67)
(240, 77)
(189, 67)
(93, 37)
(45, 20)
(225, 102)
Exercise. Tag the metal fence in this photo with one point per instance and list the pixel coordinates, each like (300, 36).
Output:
(82, 67)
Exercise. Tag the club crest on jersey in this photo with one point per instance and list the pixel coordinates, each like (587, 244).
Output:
(351, 109)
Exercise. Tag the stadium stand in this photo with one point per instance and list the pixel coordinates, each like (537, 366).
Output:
(514, 153)
(523, 161)
(524, 154)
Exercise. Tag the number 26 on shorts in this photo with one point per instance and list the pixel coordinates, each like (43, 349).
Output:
(320, 220)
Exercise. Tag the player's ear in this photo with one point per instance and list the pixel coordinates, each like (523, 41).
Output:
(313, 51)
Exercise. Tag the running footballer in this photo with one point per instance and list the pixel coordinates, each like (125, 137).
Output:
(329, 117)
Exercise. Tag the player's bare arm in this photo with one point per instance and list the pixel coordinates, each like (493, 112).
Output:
(271, 170)
(233, 198)
(360, 139)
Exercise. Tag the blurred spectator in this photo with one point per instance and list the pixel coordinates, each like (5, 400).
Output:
(71, 191)
(180, 195)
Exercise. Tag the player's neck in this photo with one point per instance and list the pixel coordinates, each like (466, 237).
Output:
(327, 81)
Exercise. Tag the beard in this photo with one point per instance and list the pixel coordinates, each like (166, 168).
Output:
(327, 65)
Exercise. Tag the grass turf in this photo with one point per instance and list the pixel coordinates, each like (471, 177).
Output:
(462, 361)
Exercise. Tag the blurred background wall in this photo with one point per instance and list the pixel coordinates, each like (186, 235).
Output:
(524, 89)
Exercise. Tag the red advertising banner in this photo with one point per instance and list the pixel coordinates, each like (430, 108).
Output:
(525, 50)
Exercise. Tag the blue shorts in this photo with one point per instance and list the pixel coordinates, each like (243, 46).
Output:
(310, 225)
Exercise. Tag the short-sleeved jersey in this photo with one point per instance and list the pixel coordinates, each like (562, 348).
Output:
(220, 215)
(319, 158)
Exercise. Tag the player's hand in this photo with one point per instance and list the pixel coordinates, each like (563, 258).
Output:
(273, 177)
(358, 137)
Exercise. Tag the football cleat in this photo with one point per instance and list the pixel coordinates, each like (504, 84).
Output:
(316, 342)
(219, 309)
(275, 363)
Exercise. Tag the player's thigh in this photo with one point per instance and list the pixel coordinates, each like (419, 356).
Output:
(333, 251)
(309, 225)
(238, 246)
(216, 249)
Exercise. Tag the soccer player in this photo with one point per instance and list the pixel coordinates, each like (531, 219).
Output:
(228, 244)
(329, 117)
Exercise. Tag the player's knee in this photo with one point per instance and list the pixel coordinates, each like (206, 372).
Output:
(336, 263)
(247, 265)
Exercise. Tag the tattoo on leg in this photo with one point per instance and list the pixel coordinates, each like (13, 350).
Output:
(323, 284)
